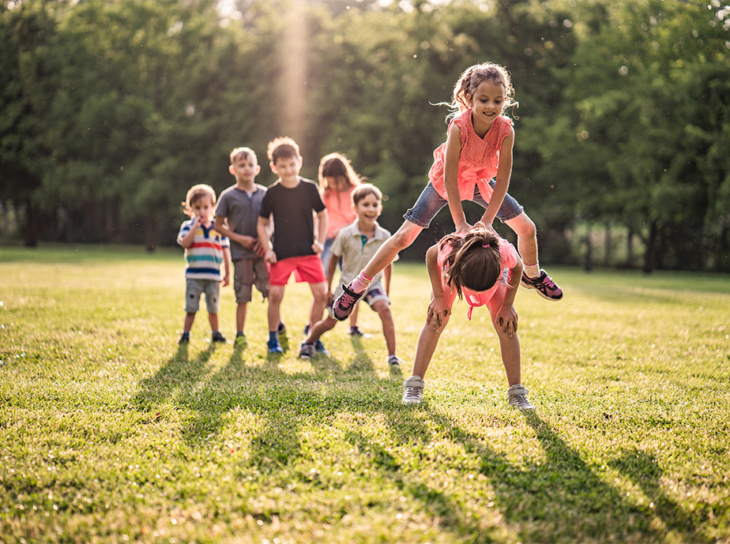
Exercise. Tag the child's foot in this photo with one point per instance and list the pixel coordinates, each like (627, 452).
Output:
(517, 395)
(281, 329)
(413, 392)
(240, 339)
(274, 346)
(344, 304)
(184, 339)
(544, 284)
(306, 351)
(218, 337)
(355, 331)
(393, 360)
(319, 348)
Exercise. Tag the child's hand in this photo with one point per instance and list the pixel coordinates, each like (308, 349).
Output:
(226, 280)
(245, 241)
(258, 249)
(317, 247)
(330, 298)
(438, 310)
(270, 256)
(507, 320)
(197, 221)
(463, 227)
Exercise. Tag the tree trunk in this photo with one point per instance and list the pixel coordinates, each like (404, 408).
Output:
(650, 248)
(31, 224)
(608, 243)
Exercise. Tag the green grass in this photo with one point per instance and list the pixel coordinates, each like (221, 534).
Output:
(111, 433)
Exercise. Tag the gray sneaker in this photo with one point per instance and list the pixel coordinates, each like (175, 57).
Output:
(394, 360)
(517, 395)
(413, 392)
(306, 351)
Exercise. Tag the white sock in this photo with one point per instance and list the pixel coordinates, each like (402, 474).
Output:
(532, 270)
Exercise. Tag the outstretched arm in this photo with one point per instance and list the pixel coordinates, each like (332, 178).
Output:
(440, 306)
(507, 316)
(504, 172)
(451, 178)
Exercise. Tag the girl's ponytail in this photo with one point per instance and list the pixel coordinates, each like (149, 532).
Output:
(474, 261)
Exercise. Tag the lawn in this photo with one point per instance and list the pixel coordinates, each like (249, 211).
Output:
(109, 432)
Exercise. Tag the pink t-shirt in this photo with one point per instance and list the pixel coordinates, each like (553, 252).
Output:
(508, 258)
(339, 209)
(478, 160)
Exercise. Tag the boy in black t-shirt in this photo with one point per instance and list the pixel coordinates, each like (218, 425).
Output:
(290, 202)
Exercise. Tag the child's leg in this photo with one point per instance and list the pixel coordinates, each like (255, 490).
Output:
(381, 306)
(189, 319)
(387, 253)
(276, 295)
(509, 345)
(429, 337)
(213, 320)
(319, 293)
(353, 316)
(319, 328)
(241, 316)
(526, 233)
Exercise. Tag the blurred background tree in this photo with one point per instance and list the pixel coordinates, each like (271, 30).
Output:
(109, 111)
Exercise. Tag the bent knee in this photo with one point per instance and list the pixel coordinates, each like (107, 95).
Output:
(525, 227)
(406, 235)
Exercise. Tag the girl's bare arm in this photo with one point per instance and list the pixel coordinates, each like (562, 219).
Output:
(504, 172)
(451, 178)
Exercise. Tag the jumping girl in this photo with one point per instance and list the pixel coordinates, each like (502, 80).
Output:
(484, 270)
(477, 149)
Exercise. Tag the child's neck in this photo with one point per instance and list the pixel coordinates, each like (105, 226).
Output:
(368, 230)
(480, 129)
(290, 183)
(243, 185)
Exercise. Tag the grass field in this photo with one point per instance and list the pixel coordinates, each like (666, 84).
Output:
(111, 433)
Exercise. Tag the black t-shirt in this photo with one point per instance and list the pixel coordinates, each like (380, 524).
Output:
(293, 222)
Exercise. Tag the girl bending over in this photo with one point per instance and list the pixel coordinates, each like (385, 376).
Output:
(485, 270)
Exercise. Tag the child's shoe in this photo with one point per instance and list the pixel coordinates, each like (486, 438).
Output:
(306, 329)
(544, 284)
(218, 337)
(306, 350)
(240, 339)
(281, 329)
(413, 392)
(345, 303)
(517, 395)
(355, 331)
(184, 339)
(274, 346)
(394, 360)
(319, 348)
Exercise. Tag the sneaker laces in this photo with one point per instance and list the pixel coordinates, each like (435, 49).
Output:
(548, 281)
(412, 393)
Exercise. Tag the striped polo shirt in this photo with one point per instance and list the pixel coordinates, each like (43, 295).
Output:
(205, 256)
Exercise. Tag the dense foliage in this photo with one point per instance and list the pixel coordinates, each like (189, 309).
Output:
(109, 111)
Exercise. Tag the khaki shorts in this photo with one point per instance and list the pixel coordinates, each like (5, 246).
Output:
(375, 292)
(195, 288)
(246, 274)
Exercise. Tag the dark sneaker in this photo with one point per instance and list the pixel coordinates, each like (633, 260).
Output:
(355, 331)
(218, 337)
(544, 285)
(184, 339)
(274, 347)
(345, 303)
(306, 330)
(319, 348)
(394, 360)
(281, 329)
(306, 351)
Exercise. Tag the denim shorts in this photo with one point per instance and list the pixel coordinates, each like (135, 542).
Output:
(430, 203)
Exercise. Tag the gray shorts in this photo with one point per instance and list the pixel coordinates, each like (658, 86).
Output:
(375, 292)
(246, 274)
(195, 288)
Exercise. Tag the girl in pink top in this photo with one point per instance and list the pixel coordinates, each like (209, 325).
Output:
(485, 270)
(477, 149)
(337, 180)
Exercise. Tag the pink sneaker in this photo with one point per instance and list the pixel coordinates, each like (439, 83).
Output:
(545, 286)
(342, 307)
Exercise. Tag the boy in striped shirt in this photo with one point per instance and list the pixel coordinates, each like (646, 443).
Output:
(205, 250)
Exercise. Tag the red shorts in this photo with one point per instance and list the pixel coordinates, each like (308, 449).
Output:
(306, 269)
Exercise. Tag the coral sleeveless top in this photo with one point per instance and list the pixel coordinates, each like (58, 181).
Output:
(508, 257)
(478, 160)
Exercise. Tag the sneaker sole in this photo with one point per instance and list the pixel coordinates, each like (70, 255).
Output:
(543, 295)
(410, 402)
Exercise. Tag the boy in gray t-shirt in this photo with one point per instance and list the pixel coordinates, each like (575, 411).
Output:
(236, 217)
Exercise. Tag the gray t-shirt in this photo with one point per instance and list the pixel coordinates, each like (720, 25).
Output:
(242, 213)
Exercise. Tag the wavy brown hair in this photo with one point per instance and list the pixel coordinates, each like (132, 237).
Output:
(336, 165)
(473, 77)
(473, 262)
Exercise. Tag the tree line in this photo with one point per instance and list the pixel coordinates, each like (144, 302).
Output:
(110, 111)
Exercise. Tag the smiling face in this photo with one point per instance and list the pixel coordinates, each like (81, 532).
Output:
(487, 104)
(368, 210)
(245, 168)
(287, 168)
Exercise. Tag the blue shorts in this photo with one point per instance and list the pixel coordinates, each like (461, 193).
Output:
(430, 203)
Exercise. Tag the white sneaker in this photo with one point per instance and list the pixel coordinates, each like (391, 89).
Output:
(306, 351)
(393, 360)
(413, 392)
(517, 395)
